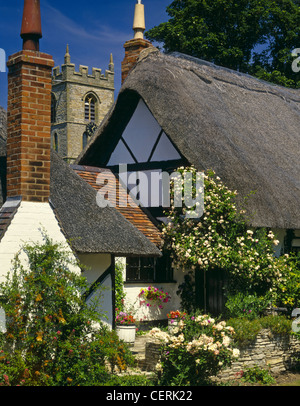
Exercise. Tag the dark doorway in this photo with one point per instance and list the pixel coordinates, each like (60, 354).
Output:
(210, 290)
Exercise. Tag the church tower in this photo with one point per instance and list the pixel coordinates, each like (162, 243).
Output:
(79, 102)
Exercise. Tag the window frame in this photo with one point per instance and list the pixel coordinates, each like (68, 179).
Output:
(157, 275)
(90, 102)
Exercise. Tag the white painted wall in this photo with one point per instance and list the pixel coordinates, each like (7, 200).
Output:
(142, 312)
(96, 265)
(26, 227)
(140, 135)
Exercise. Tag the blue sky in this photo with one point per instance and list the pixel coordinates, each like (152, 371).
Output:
(92, 28)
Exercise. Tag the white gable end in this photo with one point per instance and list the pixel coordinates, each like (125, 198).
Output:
(143, 141)
(27, 226)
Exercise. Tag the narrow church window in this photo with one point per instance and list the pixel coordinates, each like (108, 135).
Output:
(89, 108)
(55, 142)
(84, 140)
(53, 108)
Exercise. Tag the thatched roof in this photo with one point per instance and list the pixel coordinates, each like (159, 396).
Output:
(245, 129)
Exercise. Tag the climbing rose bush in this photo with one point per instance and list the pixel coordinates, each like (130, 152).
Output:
(198, 348)
(220, 239)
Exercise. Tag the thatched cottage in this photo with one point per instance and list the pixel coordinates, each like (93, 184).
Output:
(176, 110)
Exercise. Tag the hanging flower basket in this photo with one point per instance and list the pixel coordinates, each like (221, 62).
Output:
(153, 296)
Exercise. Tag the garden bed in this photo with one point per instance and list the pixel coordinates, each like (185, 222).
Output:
(278, 354)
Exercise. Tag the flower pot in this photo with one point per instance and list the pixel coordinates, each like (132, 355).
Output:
(172, 324)
(126, 333)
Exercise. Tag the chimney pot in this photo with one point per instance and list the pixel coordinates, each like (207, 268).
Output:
(31, 30)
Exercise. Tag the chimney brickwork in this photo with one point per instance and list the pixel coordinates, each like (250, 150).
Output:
(29, 125)
(133, 48)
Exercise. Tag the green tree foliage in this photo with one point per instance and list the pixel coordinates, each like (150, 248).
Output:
(251, 36)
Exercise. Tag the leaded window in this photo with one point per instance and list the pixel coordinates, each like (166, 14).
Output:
(90, 108)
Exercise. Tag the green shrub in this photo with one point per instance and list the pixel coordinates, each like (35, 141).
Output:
(257, 375)
(245, 305)
(245, 330)
(53, 337)
(119, 288)
(279, 325)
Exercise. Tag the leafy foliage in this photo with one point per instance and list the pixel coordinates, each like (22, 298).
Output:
(246, 329)
(119, 287)
(243, 305)
(257, 375)
(53, 337)
(251, 36)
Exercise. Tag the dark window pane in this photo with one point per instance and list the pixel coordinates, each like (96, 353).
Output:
(132, 274)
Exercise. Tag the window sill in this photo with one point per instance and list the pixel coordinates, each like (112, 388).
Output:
(147, 281)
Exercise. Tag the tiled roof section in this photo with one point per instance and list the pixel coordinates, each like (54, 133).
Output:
(123, 201)
(7, 213)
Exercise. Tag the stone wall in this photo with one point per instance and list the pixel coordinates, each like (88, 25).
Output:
(275, 353)
(70, 88)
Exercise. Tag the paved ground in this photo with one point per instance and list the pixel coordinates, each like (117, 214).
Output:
(139, 349)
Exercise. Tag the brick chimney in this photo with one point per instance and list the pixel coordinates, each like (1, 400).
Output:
(29, 113)
(135, 46)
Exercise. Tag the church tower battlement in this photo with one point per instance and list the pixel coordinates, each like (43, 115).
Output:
(79, 99)
(67, 72)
